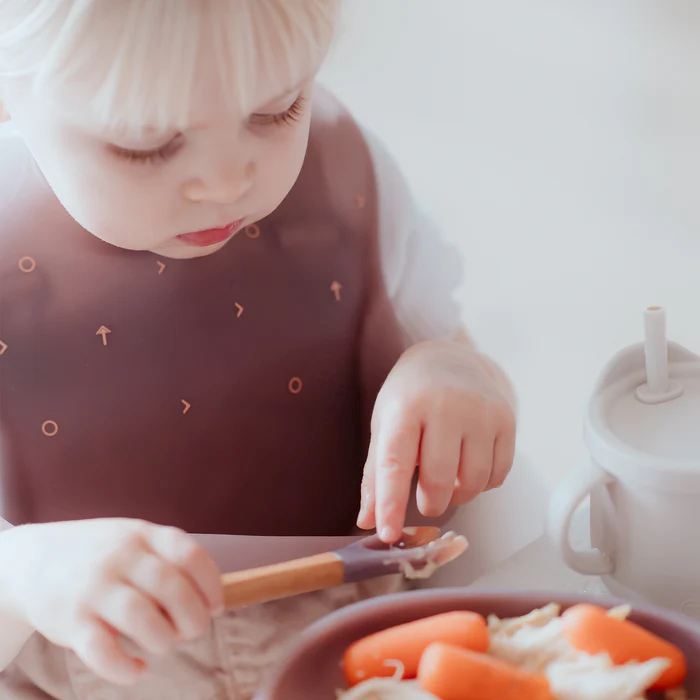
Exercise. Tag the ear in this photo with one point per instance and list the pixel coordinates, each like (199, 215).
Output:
(4, 114)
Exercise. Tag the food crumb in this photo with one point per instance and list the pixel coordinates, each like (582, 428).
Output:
(424, 572)
(400, 669)
(621, 612)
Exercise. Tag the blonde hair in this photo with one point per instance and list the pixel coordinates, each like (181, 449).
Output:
(136, 60)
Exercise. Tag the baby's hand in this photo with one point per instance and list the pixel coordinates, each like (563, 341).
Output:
(82, 584)
(440, 408)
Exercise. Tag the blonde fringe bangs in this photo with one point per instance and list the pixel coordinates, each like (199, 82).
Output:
(136, 60)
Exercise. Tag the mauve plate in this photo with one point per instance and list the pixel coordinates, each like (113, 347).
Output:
(312, 670)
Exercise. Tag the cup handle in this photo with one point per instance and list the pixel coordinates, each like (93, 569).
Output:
(565, 501)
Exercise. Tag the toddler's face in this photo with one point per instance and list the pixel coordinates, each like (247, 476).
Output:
(148, 192)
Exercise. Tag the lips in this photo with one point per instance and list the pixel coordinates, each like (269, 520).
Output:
(211, 236)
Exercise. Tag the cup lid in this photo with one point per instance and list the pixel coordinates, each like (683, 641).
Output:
(643, 421)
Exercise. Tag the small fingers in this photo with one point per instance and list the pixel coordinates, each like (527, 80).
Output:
(129, 612)
(503, 457)
(397, 456)
(184, 553)
(99, 649)
(174, 592)
(439, 464)
(475, 467)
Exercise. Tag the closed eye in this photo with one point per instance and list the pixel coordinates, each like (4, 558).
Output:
(153, 155)
(163, 153)
(289, 116)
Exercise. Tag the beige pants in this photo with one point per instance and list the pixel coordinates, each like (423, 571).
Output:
(227, 664)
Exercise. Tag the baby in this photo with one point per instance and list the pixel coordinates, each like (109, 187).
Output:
(224, 331)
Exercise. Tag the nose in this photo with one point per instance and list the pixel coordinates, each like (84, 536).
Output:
(225, 184)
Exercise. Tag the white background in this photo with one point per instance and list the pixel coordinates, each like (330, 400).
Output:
(557, 144)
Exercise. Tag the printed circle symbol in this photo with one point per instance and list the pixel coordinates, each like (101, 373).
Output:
(252, 231)
(295, 385)
(27, 264)
(49, 428)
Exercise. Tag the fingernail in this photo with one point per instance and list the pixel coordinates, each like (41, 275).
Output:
(388, 534)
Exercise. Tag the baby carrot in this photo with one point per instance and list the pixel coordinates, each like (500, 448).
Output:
(451, 673)
(406, 643)
(590, 629)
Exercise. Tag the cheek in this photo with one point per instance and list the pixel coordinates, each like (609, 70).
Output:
(107, 199)
(94, 193)
(106, 204)
(282, 163)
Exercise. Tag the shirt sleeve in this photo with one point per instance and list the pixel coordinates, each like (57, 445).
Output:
(421, 271)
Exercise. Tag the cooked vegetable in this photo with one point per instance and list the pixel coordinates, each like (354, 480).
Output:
(376, 656)
(451, 673)
(590, 629)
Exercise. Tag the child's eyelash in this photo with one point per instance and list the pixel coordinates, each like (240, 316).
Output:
(155, 155)
(289, 116)
(163, 153)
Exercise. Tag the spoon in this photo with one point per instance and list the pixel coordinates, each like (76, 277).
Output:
(417, 554)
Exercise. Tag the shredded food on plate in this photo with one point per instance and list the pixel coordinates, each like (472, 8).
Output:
(536, 643)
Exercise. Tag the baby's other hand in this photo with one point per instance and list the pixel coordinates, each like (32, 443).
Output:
(82, 584)
(442, 408)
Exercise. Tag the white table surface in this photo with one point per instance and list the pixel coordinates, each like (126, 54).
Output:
(534, 567)
(538, 568)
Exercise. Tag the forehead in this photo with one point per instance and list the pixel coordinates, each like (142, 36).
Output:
(138, 69)
(210, 102)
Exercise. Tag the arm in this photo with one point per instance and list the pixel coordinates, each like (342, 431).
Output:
(442, 390)
(14, 633)
(422, 272)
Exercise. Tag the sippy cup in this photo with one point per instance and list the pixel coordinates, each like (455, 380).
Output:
(642, 429)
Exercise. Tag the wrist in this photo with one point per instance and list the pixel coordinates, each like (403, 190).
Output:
(476, 361)
(452, 349)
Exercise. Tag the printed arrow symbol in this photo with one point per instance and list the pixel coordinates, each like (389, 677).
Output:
(187, 406)
(162, 267)
(240, 310)
(103, 332)
(3, 347)
(335, 288)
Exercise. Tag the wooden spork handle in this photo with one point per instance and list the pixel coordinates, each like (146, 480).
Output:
(282, 580)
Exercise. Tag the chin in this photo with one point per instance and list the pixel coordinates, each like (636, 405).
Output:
(181, 251)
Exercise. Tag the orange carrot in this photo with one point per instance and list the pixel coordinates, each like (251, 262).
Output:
(451, 673)
(590, 629)
(406, 643)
